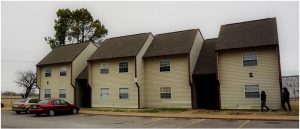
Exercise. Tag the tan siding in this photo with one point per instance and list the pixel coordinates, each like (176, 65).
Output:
(195, 52)
(140, 70)
(233, 76)
(81, 61)
(56, 82)
(114, 80)
(177, 79)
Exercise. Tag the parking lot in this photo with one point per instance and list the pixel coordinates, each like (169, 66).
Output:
(10, 119)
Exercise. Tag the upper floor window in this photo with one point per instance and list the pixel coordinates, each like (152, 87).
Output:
(165, 65)
(62, 93)
(249, 59)
(165, 92)
(123, 67)
(104, 68)
(47, 72)
(63, 71)
(252, 91)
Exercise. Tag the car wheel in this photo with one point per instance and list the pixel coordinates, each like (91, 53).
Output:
(18, 112)
(27, 111)
(74, 111)
(51, 113)
(37, 114)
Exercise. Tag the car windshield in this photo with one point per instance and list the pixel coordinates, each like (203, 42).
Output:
(43, 102)
(22, 100)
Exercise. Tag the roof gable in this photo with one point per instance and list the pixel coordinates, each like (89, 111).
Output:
(180, 42)
(63, 54)
(124, 46)
(248, 34)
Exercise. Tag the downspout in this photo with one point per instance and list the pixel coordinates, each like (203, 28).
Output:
(136, 83)
(190, 81)
(279, 72)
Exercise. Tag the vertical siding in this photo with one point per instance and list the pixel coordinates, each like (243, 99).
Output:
(81, 61)
(56, 82)
(113, 80)
(141, 71)
(233, 76)
(195, 52)
(177, 79)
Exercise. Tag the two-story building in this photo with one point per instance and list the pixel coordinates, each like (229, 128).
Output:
(116, 72)
(57, 72)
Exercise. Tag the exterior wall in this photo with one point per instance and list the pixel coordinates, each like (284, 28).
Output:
(81, 61)
(233, 76)
(195, 51)
(292, 84)
(113, 80)
(141, 71)
(177, 78)
(56, 82)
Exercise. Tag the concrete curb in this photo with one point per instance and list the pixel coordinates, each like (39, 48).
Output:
(223, 117)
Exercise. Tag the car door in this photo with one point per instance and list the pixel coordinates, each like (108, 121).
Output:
(57, 106)
(65, 106)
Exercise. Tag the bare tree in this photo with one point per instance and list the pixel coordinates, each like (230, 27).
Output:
(27, 80)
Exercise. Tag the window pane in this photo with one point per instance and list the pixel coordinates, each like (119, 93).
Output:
(104, 92)
(104, 71)
(123, 67)
(165, 92)
(252, 91)
(164, 65)
(249, 59)
(63, 71)
(62, 93)
(123, 93)
(104, 68)
(47, 93)
(47, 72)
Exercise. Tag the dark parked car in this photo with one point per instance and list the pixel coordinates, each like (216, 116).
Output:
(23, 105)
(53, 107)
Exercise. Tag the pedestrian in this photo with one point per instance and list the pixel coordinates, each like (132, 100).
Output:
(263, 98)
(286, 99)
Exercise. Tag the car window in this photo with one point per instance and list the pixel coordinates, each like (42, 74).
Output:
(63, 102)
(43, 101)
(56, 102)
(34, 101)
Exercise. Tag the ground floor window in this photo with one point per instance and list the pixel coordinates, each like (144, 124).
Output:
(104, 92)
(62, 93)
(252, 91)
(47, 93)
(165, 92)
(123, 93)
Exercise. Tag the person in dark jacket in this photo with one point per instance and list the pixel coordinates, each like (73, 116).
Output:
(286, 99)
(263, 98)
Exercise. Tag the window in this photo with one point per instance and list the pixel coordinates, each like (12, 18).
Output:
(62, 93)
(47, 93)
(165, 92)
(249, 59)
(47, 72)
(104, 68)
(252, 91)
(123, 93)
(63, 71)
(63, 102)
(165, 65)
(123, 67)
(56, 102)
(104, 92)
(34, 101)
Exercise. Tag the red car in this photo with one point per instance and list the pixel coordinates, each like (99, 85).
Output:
(53, 107)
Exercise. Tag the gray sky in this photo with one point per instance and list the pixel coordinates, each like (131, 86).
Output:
(25, 24)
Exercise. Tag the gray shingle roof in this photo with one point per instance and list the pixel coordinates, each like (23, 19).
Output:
(206, 63)
(63, 54)
(172, 43)
(248, 34)
(124, 46)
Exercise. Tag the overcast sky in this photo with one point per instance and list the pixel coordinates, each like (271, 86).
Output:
(25, 24)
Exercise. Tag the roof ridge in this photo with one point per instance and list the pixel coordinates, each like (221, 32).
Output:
(72, 44)
(211, 39)
(249, 21)
(177, 31)
(129, 35)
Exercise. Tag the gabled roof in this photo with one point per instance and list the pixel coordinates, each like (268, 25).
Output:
(172, 43)
(124, 46)
(248, 34)
(206, 63)
(63, 54)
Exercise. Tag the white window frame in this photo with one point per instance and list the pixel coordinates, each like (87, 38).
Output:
(62, 94)
(120, 94)
(165, 65)
(124, 67)
(47, 94)
(47, 70)
(61, 71)
(161, 92)
(102, 96)
(249, 53)
(252, 85)
(104, 66)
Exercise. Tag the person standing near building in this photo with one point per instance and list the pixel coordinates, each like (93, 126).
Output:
(263, 98)
(286, 99)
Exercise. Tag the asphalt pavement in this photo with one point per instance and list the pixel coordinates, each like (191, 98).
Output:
(10, 119)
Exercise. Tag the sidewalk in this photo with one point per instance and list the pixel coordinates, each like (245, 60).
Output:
(191, 115)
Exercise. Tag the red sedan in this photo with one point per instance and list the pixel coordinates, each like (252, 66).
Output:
(53, 107)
